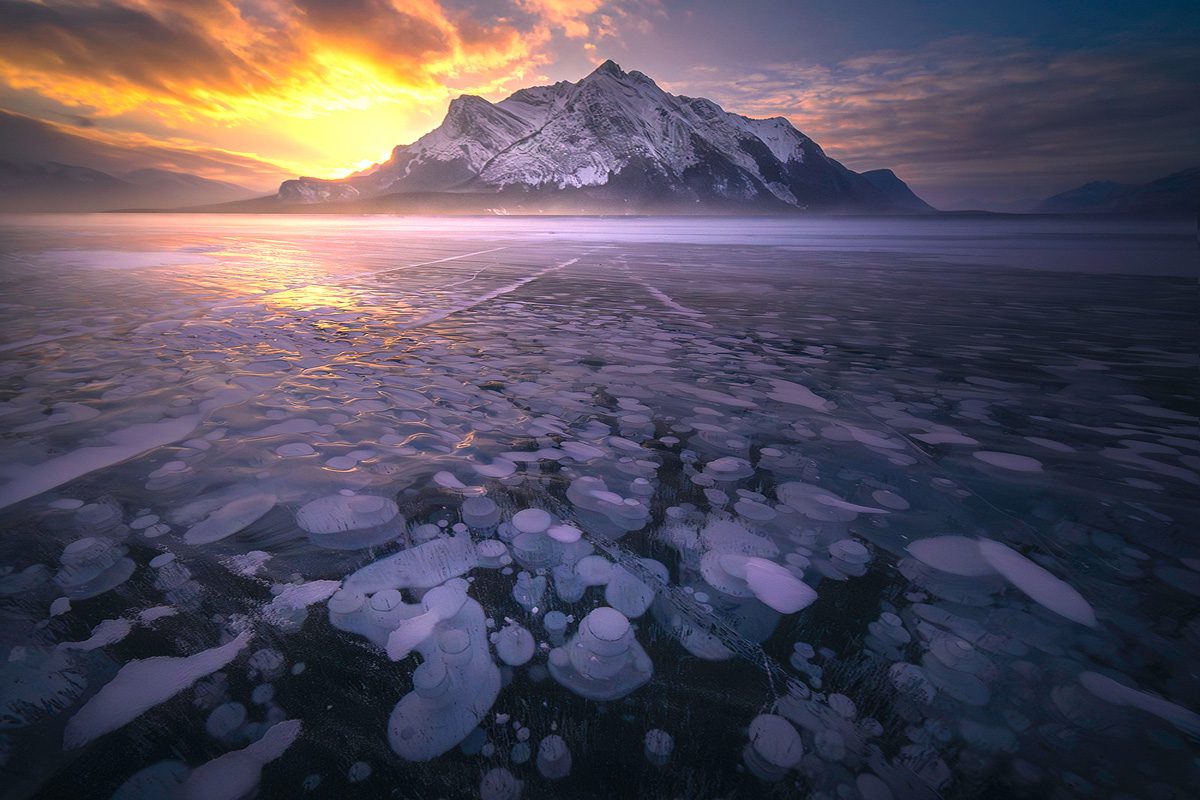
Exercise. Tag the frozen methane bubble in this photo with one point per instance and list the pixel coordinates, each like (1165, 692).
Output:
(480, 513)
(514, 645)
(230, 518)
(553, 758)
(110, 631)
(729, 468)
(957, 555)
(455, 685)
(92, 566)
(350, 522)
(531, 520)
(492, 554)
(237, 774)
(629, 594)
(771, 583)
(499, 784)
(140, 685)
(607, 513)
(1009, 461)
(564, 534)
(555, 623)
(658, 746)
(602, 661)
(422, 567)
(1118, 694)
(774, 747)
(529, 590)
(225, 721)
(1037, 583)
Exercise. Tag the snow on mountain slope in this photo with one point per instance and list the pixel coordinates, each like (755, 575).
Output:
(616, 134)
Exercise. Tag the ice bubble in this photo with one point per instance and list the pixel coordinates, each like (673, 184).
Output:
(889, 499)
(294, 450)
(447, 480)
(499, 784)
(534, 550)
(480, 513)
(630, 595)
(267, 662)
(565, 534)
(110, 631)
(492, 554)
(149, 615)
(359, 772)
(602, 661)
(729, 468)
(225, 720)
(531, 520)
(774, 747)
(421, 567)
(754, 511)
(453, 688)
(1119, 694)
(553, 758)
(230, 518)
(555, 623)
(726, 536)
(341, 463)
(1038, 583)
(514, 645)
(66, 504)
(658, 745)
(957, 555)
(92, 566)
(795, 394)
(140, 685)
(521, 751)
(350, 522)
(262, 694)
(769, 582)
(143, 522)
(594, 570)
(237, 774)
(529, 590)
(289, 604)
(1009, 461)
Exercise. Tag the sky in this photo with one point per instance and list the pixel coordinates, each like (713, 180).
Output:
(974, 103)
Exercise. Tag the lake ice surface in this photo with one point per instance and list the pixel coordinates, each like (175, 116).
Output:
(401, 507)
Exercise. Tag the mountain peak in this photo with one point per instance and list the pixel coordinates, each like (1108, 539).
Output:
(609, 67)
(612, 139)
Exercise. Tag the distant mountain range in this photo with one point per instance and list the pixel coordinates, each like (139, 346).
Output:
(1177, 193)
(613, 142)
(51, 186)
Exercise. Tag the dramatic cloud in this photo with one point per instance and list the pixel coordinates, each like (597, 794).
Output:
(988, 117)
(225, 61)
(32, 141)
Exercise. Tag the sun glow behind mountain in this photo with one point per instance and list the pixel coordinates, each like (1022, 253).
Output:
(254, 92)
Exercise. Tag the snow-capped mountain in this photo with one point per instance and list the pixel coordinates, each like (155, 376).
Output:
(612, 138)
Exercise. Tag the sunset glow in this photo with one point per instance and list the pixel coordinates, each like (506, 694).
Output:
(257, 92)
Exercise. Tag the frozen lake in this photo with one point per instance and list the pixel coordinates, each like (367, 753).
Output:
(678, 508)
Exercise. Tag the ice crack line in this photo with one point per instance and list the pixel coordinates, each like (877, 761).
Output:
(36, 340)
(441, 314)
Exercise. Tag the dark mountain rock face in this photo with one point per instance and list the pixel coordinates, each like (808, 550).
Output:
(1175, 194)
